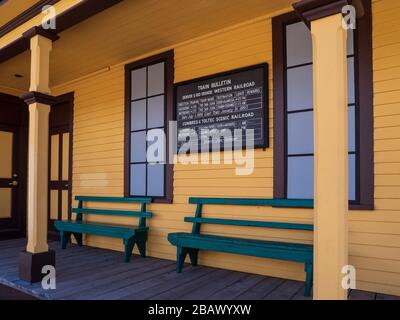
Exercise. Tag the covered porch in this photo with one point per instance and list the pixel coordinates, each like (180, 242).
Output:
(87, 59)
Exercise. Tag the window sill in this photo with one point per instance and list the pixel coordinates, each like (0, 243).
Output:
(364, 207)
(162, 200)
(352, 207)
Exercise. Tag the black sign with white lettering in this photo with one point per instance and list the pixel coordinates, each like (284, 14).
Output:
(230, 102)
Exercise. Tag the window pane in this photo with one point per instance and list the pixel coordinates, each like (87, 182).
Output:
(298, 44)
(138, 83)
(350, 42)
(352, 129)
(138, 146)
(352, 177)
(299, 88)
(156, 79)
(350, 79)
(300, 133)
(155, 112)
(156, 145)
(138, 115)
(138, 179)
(155, 180)
(300, 180)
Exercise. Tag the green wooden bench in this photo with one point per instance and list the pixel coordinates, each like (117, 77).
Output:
(130, 234)
(191, 243)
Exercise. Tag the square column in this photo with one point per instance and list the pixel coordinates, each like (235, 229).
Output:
(329, 39)
(37, 253)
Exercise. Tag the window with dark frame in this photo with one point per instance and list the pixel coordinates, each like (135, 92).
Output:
(148, 106)
(293, 110)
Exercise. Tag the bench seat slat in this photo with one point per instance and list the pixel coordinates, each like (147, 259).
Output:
(249, 223)
(282, 203)
(236, 240)
(95, 228)
(258, 248)
(112, 212)
(113, 199)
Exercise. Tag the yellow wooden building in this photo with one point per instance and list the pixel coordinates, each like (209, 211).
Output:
(333, 131)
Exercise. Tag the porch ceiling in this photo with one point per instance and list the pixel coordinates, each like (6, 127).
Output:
(133, 28)
(12, 8)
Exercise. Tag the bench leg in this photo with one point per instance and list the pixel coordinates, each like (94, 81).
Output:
(180, 258)
(78, 238)
(128, 243)
(142, 248)
(193, 255)
(309, 279)
(65, 238)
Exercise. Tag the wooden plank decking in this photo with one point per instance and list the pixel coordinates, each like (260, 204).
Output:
(90, 273)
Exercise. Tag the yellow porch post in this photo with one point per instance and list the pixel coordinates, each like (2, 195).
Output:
(331, 157)
(330, 148)
(37, 253)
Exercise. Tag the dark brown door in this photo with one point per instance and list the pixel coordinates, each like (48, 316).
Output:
(60, 143)
(13, 158)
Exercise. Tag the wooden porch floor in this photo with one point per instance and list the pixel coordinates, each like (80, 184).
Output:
(86, 273)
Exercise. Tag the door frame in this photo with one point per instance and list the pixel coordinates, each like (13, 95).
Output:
(19, 119)
(68, 97)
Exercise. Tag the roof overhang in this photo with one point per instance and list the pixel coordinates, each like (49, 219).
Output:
(66, 19)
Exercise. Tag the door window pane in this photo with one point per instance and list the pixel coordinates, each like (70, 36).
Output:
(5, 202)
(54, 204)
(54, 157)
(65, 156)
(6, 149)
(64, 205)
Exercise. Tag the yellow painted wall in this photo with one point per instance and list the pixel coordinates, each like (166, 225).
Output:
(98, 157)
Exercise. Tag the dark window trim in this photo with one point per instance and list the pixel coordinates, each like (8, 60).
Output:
(363, 48)
(168, 58)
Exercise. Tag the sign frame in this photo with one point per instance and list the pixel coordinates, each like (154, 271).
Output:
(265, 91)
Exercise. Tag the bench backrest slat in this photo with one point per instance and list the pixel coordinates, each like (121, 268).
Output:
(142, 214)
(113, 199)
(197, 220)
(249, 223)
(123, 213)
(283, 203)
